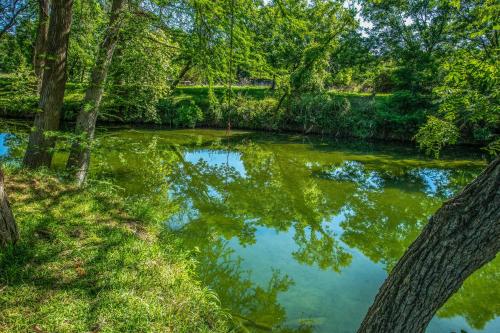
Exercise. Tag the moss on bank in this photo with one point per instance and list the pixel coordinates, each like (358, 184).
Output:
(83, 264)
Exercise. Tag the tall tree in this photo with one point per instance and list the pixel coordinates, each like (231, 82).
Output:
(41, 40)
(415, 34)
(8, 228)
(469, 90)
(462, 236)
(41, 141)
(79, 157)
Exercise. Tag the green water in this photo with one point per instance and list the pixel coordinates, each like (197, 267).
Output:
(295, 233)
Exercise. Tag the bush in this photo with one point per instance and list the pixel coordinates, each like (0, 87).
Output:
(256, 114)
(24, 90)
(402, 114)
(320, 112)
(181, 112)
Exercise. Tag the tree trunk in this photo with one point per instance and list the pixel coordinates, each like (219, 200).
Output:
(40, 146)
(79, 158)
(8, 229)
(41, 40)
(462, 236)
(181, 75)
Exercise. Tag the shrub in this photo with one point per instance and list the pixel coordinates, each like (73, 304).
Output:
(257, 114)
(320, 111)
(402, 114)
(187, 114)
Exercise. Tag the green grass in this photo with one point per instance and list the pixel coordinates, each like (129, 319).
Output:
(85, 264)
(199, 94)
(370, 116)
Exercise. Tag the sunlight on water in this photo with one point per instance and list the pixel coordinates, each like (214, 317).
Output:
(297, 234)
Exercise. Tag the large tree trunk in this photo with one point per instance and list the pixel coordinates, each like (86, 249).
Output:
(79, 158)
(462, 236)
(41, 40)
(8, 229)
(40, 146)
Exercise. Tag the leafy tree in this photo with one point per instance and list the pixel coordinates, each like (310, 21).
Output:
(41, 143)
(468, 95)
(79, 157)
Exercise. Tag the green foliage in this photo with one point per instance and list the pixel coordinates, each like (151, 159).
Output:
(470, 96)
(214, 110)
(86, 29)
(403, 113)
(468, 92)
(11, 55)
(435, 58)
(139, 73)
(320, 111)
(83, 263)
(23, 90)
(188, 114)
(493, 148)
(436, 134)
(16, 46)
(255, 114)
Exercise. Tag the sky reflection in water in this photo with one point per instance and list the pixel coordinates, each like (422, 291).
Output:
(297, 234)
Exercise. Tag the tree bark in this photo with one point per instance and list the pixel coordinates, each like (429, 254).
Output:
(182, 73)
(462, 236)
(79, 158)
(41, 40)
(8, 228)
(40, 147)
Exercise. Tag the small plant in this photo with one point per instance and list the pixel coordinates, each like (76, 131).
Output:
(24, 90)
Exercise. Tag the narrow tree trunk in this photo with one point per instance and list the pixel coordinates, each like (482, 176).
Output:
(79, 158)
(40, 146)
(462, 236)
(280, 102)
(8, 228)
(181, 75)
(41, 40)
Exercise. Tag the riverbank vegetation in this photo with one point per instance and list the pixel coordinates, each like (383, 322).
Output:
(86, 262)
(424, 72)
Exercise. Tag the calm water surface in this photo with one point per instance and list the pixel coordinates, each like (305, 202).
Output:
(294, 233)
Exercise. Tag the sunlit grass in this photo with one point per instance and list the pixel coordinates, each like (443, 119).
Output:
(85, 264)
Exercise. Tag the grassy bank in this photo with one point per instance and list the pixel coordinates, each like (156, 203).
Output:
(342, 114)
(84, 263)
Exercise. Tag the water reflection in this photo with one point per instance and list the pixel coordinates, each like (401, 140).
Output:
(294, 237)
(478, 300)
(355, 172)
(330, 210)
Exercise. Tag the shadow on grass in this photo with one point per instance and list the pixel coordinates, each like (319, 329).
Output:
(83, 265)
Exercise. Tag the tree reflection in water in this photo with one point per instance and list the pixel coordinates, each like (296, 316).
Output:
(332, 201)
(384, 207)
